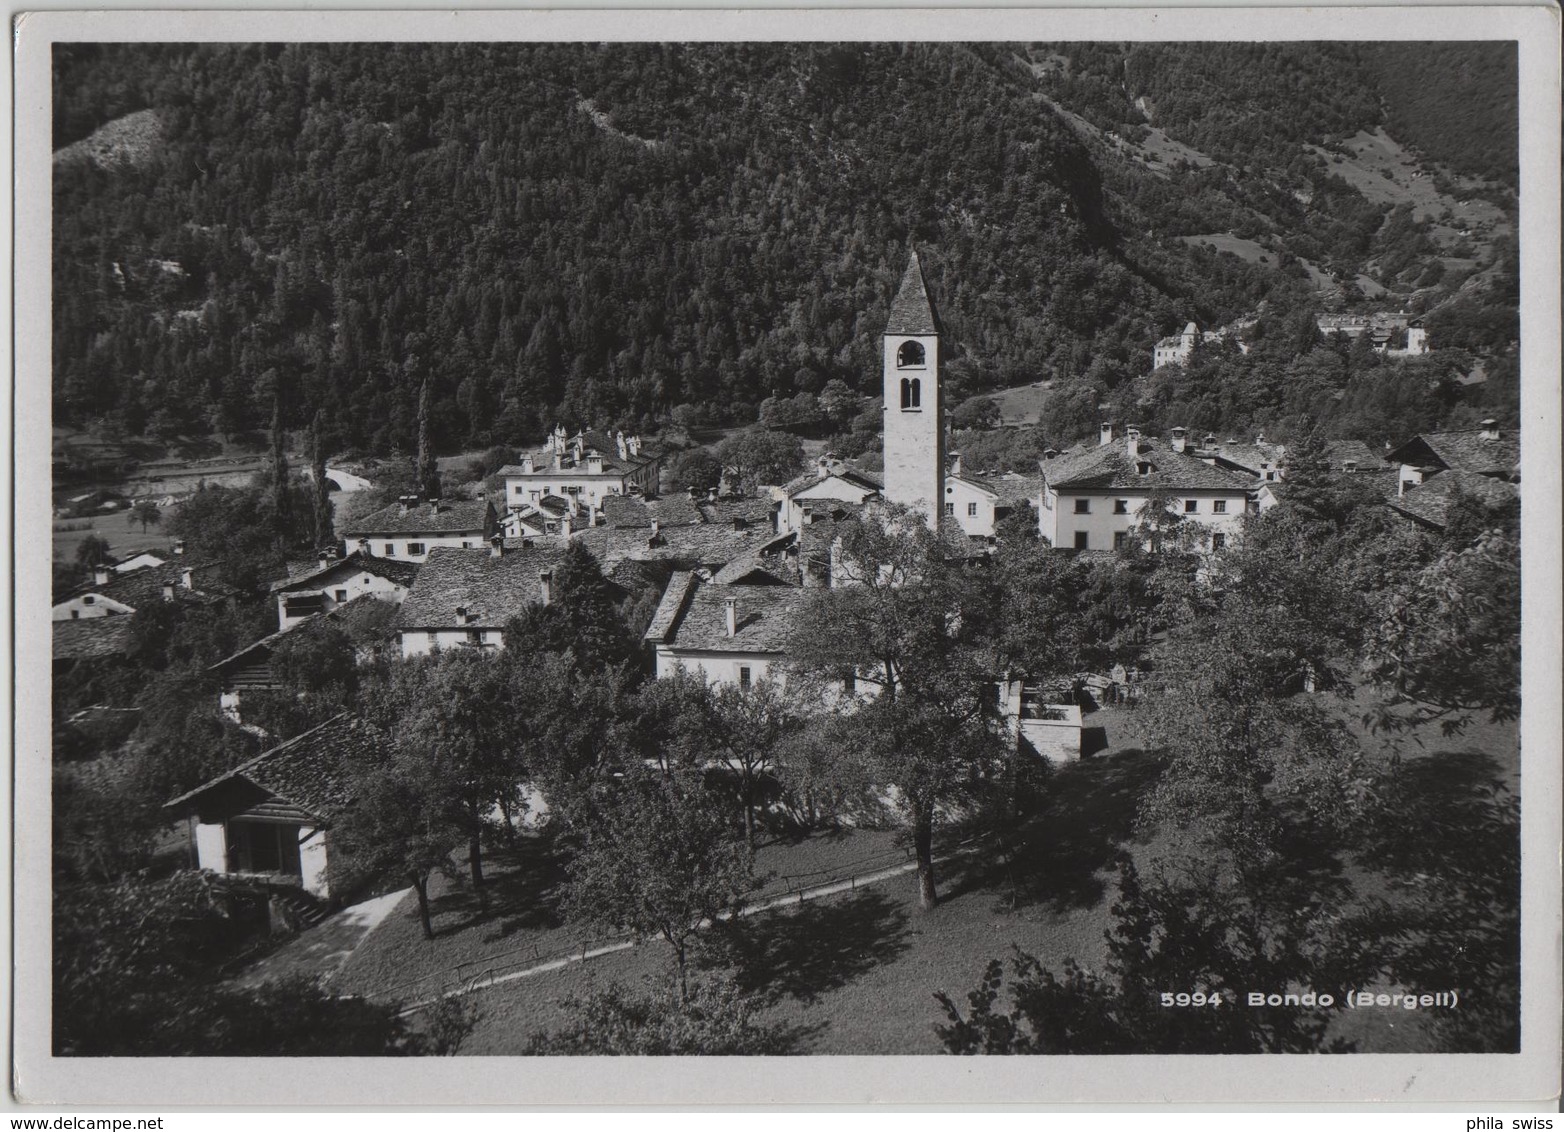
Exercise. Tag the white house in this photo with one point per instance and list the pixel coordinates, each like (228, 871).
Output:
(110, 594)
(734, 634)
(831, 481)
(410, 528)
(584, 470)
(337, 581)
(970, 503)
(463, 598)
(270, 818)
(1091, 500)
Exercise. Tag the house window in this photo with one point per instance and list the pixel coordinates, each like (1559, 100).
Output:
(341, 596)
(744, 679)
(972, 510)
(950, 508)
(468, 544)
(1120, 539)
(1218, 541)
(1083, 506)
(1219, 507)
(516, 489)
(1121, 506)
(415, 548)
(1080, 540)
(75, 615)
(390, 550)
(1191, 506)
(911, 393)
(910, 354)
(1143, 468)
(850, 681)
(434, 639)
(88, 599)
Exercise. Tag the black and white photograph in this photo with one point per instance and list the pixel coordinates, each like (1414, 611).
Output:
(897, 546)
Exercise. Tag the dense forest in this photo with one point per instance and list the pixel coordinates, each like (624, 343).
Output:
(607, 234)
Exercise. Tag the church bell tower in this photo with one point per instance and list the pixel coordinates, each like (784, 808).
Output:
(914, 418)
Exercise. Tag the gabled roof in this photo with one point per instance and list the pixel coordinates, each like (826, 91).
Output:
(91, 637)
(309, 770)
(1013, 488)
(363, 618)
(1251, 458)
(753, 511)
(491, 590)
(1467, 450)
(397, 570)
(1430, 501)
(1338, 452)
(450, 516)
(865, 481)
(1109, 467)
(974, 483)
(752, 569)
(708, 544)
(911, 311)
(669, 511)
(695, 617)
(145, 585)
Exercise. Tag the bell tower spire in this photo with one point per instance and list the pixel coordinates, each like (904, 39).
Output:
(914, 417)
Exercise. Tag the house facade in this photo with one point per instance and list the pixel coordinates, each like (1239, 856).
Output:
(463, 598)
(410, 528)
(584, 470)
(1092, 500)
(727, 634)
(831, 482)
(337, 581)
(270, 818)
(972, 505)
(112, 594)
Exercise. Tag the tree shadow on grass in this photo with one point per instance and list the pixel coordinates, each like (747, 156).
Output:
(523, 882)
(1053, 859)
(803, 951)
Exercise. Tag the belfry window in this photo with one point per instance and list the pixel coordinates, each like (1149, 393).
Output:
(909, 354)
(911, 393)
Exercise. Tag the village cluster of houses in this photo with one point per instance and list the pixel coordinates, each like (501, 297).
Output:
(1382, 328)
(728, 573)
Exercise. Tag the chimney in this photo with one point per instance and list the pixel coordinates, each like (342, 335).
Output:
(1179, 436)
(955, 463)
(168, 591)
(546, 585)
(100, 575)
(1259, 440)
(732, 606)
(1209, 441)
(592, 515)
(594, 463)
(823, 464)
(526, 464)
(619, 443)
(187, 579)
(711, 494)
(1106, 436)
(634, 444)
(434, 506)
(1490, 429)
(497, 546)
(461, 615)
(363, 547)
(1050, 453)
(179, 546)
(402, 503)
(1132, 441)
(657, 528)
(324, 559)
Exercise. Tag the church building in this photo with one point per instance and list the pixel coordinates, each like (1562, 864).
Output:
(914, 419)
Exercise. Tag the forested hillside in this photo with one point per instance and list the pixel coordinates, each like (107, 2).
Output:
(604, 233)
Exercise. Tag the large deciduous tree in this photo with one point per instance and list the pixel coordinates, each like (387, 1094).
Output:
(660, 860)
(911, 626)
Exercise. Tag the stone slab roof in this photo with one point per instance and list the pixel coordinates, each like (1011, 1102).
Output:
(754, 512)
(397, 570)
(309, 770)
(1430, 501)
(866, 481)
(91, 637)
(1109, 467)
(144, 586)
(450, 516)
(707, 544)
(911, 311)
(766, 616)
(1467, 450)
(492, 590)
